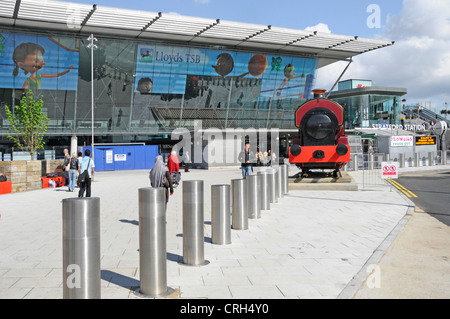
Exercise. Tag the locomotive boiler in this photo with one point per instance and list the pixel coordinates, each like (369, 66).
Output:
(321, 143)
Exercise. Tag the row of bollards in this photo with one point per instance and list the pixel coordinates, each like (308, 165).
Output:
(231, 207)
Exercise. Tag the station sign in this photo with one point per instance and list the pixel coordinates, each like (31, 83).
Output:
(425, 140)
(389, 170)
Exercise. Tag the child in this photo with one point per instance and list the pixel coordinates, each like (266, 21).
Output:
(30, 58)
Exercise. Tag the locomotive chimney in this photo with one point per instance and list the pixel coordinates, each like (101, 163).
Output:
(319, 93)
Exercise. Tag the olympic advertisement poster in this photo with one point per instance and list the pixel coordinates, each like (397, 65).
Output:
(165, 70)
(38, 62)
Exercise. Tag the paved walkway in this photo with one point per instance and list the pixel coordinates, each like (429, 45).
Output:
(311, 244)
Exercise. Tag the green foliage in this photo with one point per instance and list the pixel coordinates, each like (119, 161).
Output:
(28, 123)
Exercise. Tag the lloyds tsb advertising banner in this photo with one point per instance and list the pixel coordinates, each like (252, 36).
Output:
(171, 70)
(38, 62)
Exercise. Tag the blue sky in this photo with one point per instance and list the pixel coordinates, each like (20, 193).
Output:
(419, 61)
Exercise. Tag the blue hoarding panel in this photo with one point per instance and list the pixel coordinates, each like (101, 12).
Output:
(127, 157)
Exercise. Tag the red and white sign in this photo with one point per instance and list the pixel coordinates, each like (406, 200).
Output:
(389, 169)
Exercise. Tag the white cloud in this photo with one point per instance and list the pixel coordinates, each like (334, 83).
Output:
(418, 61)
(202, 1)
(320, 27)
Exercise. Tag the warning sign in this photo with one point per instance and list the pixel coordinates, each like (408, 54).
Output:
(389, 170)
(425, 140)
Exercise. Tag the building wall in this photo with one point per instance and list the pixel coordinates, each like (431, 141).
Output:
(151, 88)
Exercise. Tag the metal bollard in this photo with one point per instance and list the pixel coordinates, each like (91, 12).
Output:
(402, 160)
(193, 219)
(220, 215)
(278, 182)
(443, 157)
(371, 161)
(284, 179)
(430, 158)
(253, 197)
(239, 204)
(264, 180)
(152, 243)
(355, 162)
(81, 248)
(287, 180)
(273, 185)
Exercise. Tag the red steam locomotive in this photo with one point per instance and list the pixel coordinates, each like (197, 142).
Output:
(322, 143)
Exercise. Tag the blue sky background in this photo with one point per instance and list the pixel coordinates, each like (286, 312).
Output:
(419, 61)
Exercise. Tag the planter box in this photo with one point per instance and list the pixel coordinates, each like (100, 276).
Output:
(26, 175)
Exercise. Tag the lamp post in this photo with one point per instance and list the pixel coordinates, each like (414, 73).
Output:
(92, 46)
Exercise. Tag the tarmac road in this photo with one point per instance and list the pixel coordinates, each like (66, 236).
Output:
(432, 191)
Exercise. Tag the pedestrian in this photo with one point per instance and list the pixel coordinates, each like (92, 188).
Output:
(74, 164)
(172, 162)
(160, 176)
(86, 163)
(66, 167)
(273, 158)
(186, 161)
(246, 157)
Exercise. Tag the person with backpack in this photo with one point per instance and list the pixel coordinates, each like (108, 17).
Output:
(86, 164)
(73, 165)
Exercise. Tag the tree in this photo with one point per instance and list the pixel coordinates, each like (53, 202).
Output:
(28, 123)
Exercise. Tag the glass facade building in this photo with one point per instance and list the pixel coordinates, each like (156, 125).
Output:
(148, 88)
(154, 72)
(366, 105)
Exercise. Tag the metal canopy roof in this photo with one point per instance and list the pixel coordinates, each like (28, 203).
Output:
(81, 18)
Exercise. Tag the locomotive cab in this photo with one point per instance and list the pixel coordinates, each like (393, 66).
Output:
(322, 142)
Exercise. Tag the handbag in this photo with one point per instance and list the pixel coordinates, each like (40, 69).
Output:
(85, 175)
(165, 182)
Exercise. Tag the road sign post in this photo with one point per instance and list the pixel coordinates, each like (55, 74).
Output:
(389, 170)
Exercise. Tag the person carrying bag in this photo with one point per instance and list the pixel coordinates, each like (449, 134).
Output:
(160, 176)
(85, 171)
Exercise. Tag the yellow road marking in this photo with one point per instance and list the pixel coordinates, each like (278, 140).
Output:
(401, 188)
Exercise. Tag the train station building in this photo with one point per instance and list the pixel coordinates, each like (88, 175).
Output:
(152, 72)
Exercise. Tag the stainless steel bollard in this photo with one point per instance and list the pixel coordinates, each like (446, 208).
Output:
(416, 159)
(239, 204)
(355, 162)
(443, 157)
(278, 182)
(81, 248)
(273, 185)
(430, 159)
(253, 197)
(152, 243)
(264, 179)
(284, 179)
(371, 162)
(220, 214)
(193, 219)
(402, 160)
